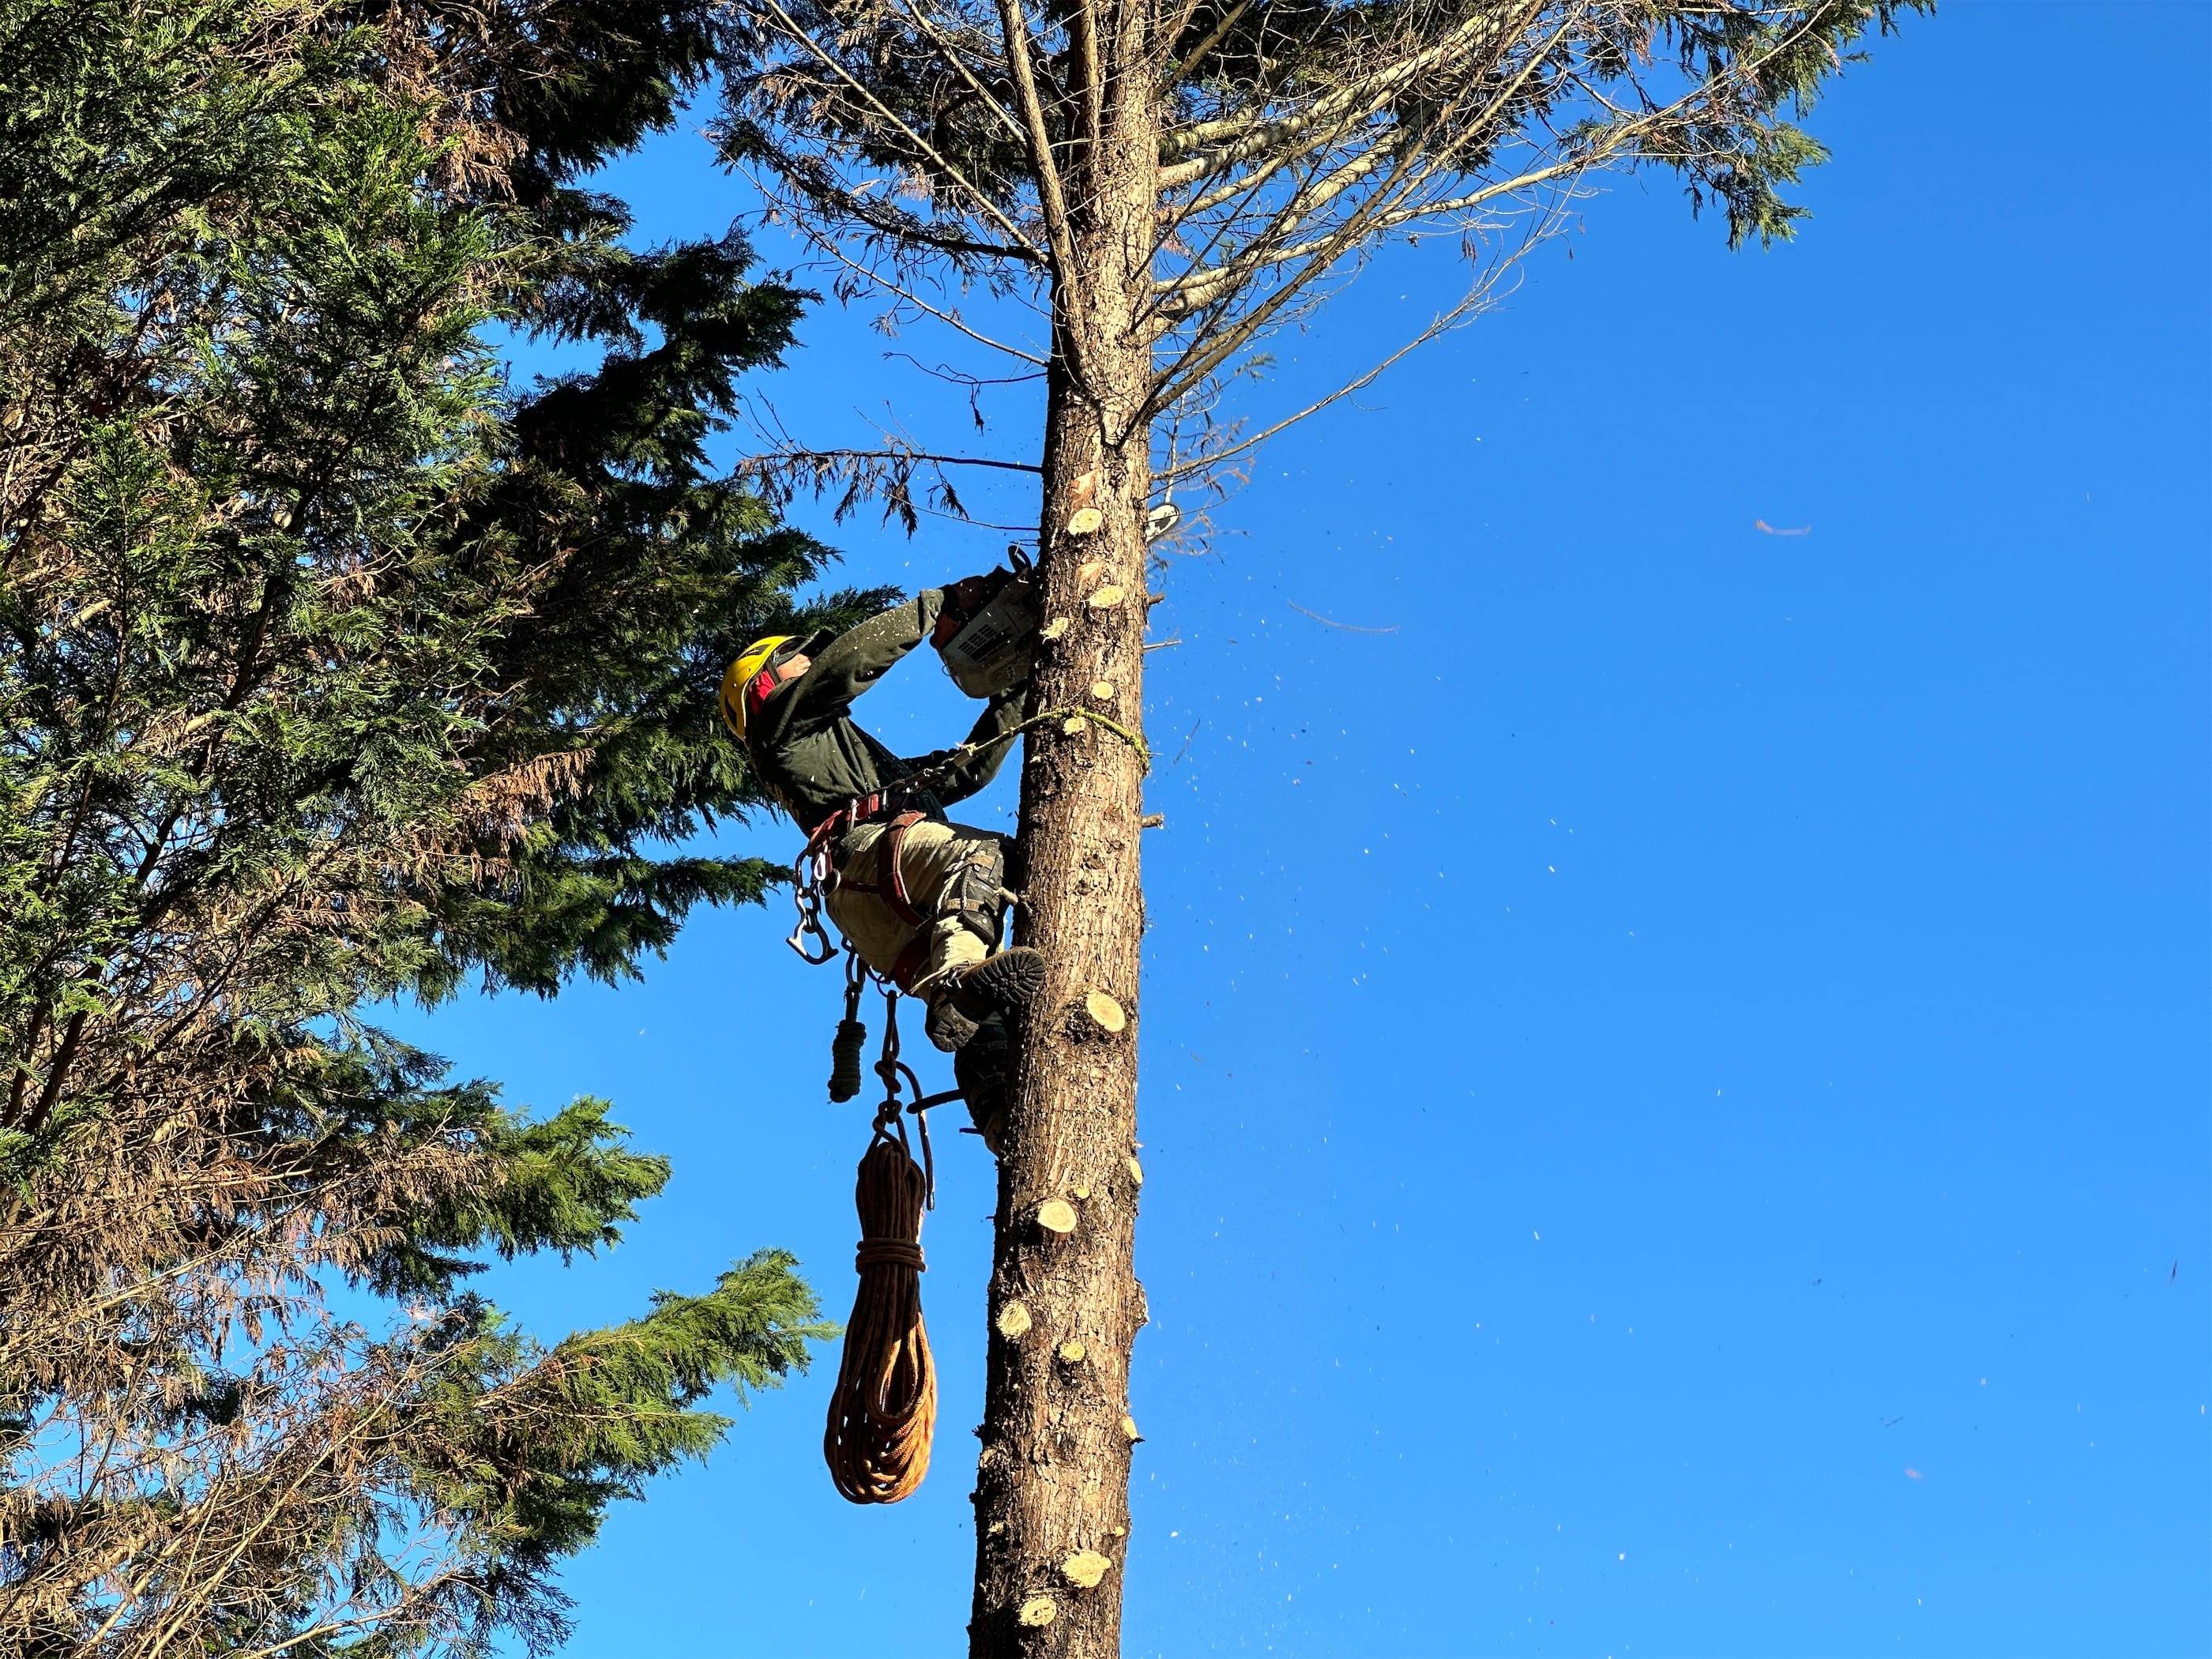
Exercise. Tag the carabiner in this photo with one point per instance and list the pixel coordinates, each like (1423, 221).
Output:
(806, 899)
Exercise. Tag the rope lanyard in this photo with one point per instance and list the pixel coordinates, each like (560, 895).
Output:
(882, 1413)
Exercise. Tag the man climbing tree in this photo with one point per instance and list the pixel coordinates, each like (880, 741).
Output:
(1167, 182)
(923, 900)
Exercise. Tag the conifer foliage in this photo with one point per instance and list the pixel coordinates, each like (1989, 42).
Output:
(332, 670)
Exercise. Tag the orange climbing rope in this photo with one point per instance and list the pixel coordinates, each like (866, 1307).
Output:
(884, 1413)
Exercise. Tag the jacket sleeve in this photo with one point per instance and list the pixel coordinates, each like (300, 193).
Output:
(989, 741)
(858, 658)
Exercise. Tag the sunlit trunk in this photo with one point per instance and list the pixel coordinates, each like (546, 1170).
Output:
(1052, 1491)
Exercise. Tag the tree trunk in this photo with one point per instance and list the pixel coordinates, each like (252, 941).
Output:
(1052, 1490)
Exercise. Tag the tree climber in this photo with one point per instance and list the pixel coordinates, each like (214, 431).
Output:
(921, 899)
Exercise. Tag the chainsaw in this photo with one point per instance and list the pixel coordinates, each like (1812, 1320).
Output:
(992, 650)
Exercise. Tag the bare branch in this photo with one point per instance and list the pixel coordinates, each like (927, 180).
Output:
(984, 203)
(887, 474)
(1042, 162)
(950, 54)
(1208, 462)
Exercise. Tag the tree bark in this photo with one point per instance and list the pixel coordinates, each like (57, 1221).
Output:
(1052, 1521)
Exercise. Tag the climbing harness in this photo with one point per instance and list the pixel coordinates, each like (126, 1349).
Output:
(813, 873)
(890, 885)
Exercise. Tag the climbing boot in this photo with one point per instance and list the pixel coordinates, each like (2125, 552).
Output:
(948, 1028)
(1002, 984)
(980, 1068)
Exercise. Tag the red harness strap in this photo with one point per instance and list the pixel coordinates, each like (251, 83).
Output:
(890, 884)
(895, 875)
(857, 812)
(911, 961)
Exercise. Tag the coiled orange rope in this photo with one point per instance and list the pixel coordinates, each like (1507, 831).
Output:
(884, 1413)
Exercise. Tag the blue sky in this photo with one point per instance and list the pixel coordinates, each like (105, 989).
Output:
(1674, 1082)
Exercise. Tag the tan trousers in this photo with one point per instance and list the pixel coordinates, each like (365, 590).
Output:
(952, 874)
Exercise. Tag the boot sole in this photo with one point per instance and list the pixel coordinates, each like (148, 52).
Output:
(950, 1027)
(1012, 980)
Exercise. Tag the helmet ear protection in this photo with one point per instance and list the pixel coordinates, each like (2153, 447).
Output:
(747, 682)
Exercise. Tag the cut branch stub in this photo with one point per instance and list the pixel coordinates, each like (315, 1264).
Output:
(1053, 630)
(1056, 1215)
(1104, 1011)
(1085, 1569)
(1037, 1611)
(1013, 1320)
(1072, 1352)
(1102, 689)
(1105, 598)
(1085, 521)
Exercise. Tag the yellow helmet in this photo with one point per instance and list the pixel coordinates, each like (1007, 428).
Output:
(737, 678)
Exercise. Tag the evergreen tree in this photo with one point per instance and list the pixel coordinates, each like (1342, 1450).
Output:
(1167, 182)
(333, 671)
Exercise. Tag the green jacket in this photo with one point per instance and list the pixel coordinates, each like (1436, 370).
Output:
(807, 748)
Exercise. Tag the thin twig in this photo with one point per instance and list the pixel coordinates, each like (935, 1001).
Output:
(1331, 622)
